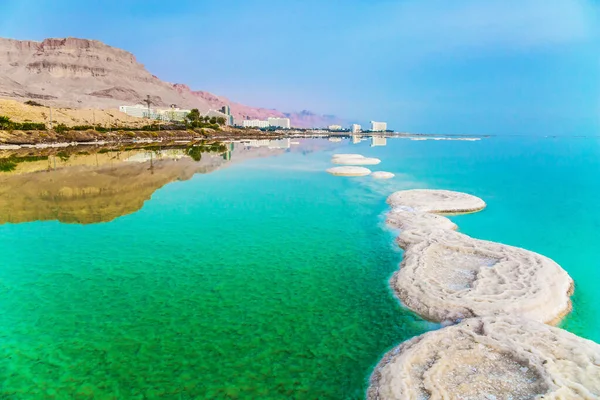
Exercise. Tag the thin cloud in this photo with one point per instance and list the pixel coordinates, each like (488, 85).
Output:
(440, 26)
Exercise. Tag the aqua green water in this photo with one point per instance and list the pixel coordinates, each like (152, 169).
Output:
(268, 279)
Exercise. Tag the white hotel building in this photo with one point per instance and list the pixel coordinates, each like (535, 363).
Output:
(279, 122)
(255, 123)
(378, 126)
(270, 122)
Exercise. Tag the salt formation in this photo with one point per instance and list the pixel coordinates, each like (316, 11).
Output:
(405, 218)
(490, 358)
(446, 275)
(340, 156)
(355, 160)
(349, 171)
(382, 175)
(436, 201)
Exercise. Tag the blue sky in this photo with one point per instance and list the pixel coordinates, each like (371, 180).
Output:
(460, 66)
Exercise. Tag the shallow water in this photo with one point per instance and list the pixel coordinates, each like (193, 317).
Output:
(265, 278)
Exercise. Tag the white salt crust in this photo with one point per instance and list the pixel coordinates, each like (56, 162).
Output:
(355, 161)
(490, 358)
(349, 171)
(448, 276)
(436, 201)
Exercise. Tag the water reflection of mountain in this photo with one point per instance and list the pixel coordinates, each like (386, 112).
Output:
(83, 185)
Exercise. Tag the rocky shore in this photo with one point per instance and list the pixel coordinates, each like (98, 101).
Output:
(17, 137)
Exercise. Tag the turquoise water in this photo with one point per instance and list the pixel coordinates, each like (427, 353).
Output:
(268, 278)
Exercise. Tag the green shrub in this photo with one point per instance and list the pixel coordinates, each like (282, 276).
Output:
(61, 128)
(33, 103)
(7, 165)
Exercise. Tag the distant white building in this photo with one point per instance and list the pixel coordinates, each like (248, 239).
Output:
(164, 114)
(355, 128)
(378, 126)
(334, 128)
(378, 141)
(255, 123)
(279, 122)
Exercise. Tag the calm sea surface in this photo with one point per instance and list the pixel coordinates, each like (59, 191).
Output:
(261, 277)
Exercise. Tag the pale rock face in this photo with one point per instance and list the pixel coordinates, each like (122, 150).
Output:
(436, 201)
(382, 175)
(490, 358)
(448, 276)
(349, 171)
(80, 73)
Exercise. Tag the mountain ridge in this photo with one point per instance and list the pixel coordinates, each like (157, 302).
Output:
(74, 72)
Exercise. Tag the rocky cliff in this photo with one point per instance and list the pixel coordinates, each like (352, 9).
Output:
(78, 73)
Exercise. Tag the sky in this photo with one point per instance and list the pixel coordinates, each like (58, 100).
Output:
(429, 66)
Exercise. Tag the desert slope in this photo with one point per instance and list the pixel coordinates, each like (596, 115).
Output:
(80, 73)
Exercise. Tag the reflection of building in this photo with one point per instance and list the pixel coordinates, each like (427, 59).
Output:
(279, 122)
(227, 154)
(143, 156)
(356, 139)
(335, 139)
(334, 128)
(271, 144)
(378, 141)
(355, 128)
(378, 126)
(255, 123)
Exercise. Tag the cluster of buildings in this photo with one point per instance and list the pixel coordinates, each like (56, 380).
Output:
(174, 113)
(272, 122)
(356, 128)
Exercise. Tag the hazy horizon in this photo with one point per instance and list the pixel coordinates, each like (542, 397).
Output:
(527, 67)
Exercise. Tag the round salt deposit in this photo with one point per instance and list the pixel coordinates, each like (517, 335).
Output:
(448, 276)
(349, 171)
(436, 201)
(490, 358)
(382, 175)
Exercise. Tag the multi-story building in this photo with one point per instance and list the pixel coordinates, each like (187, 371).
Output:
(334, 128)
(378, 126)
(279, 122)
(227, 111)
(165, 114)
(355, 128)
(255, 123)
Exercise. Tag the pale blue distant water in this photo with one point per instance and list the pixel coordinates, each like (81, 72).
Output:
(268, 279)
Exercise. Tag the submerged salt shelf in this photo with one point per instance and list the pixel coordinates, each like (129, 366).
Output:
(490, 358)
(448, 276)
(382, 175)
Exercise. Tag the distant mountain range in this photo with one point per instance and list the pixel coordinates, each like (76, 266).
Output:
(77, 73)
